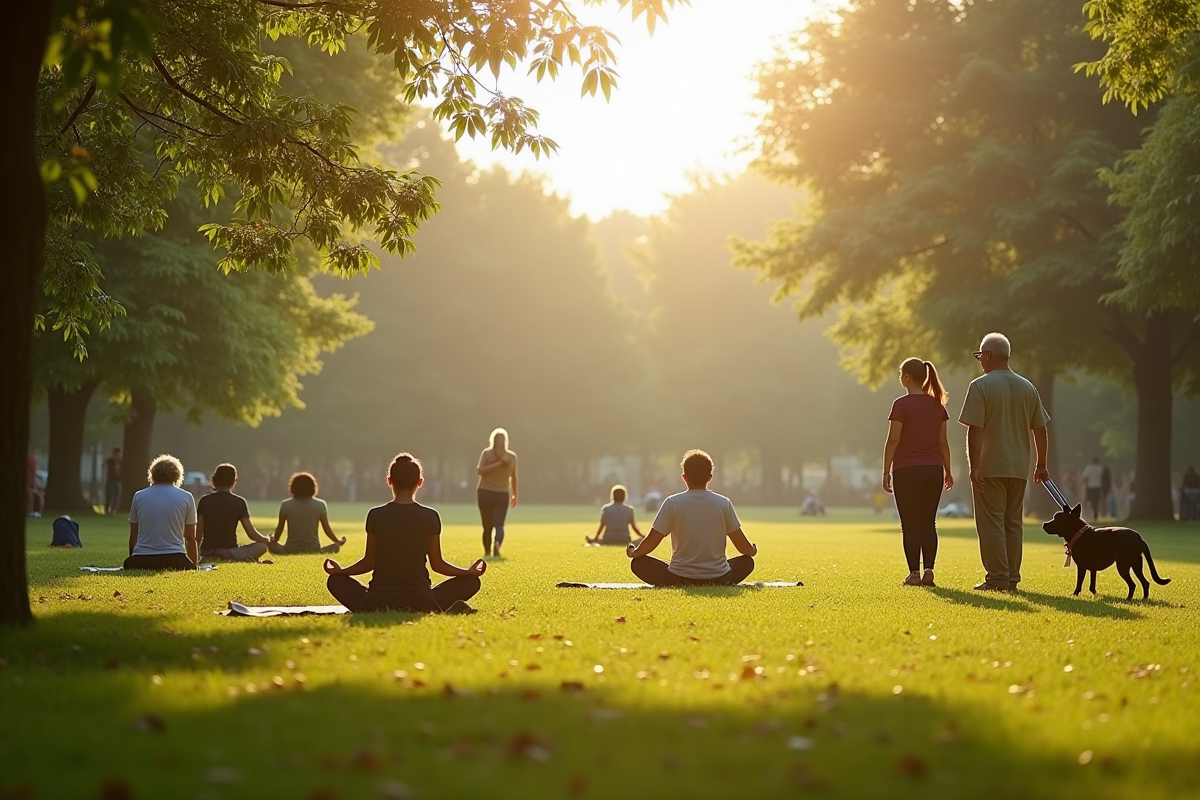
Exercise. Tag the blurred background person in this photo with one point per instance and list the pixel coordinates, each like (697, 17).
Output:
(1092, 478)
(497, 490)
(112, 481)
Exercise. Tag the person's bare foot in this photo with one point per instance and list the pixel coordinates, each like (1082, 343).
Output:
(913, 579)
(927, 578)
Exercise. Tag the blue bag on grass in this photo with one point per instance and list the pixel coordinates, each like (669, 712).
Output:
(66, 533)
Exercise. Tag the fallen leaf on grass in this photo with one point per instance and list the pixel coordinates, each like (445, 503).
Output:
(1144, 670)
(524, 745)
(531, 695)
(115, 789)
(619, 620)
(117, 593)
(534, 636)
(572, 686)
(558, 637)
(151, 723)
(111, 663)
(533, 667)
(912, 766)
(394, 790)
(664, 655)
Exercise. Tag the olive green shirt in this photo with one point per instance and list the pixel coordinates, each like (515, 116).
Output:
(1006, 408)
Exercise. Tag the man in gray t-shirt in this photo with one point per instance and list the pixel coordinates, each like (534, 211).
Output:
(162, 521)
(698, 522)
(1005, 423)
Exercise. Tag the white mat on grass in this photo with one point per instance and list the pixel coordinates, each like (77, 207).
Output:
(239, 610)
(751, 585)
(201, 568)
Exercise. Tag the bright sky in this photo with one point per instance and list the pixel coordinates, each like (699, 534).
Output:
(684, 104)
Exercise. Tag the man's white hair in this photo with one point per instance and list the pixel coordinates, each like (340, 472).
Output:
(997, 344)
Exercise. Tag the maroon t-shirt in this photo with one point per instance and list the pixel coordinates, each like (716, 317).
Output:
(920, 438)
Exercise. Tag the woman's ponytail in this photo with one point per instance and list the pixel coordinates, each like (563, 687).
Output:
(933, 386)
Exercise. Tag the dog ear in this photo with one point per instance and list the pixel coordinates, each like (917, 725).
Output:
(1076, 511)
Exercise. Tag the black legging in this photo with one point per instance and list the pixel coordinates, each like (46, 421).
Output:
(656, 573)
(918, 491)
(493, 510)
(167, 562)
(354, 596)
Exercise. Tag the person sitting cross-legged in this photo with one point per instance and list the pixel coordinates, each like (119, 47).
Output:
(698, 522)
(162, 521)
(219, 514)
(305, 515)
(401, 536)
(616, 519)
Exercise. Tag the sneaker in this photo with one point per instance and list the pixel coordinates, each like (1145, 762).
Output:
(913, 579)
(460, 607)
(927, 578)
(989, 587)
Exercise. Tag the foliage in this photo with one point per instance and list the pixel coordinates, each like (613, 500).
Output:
(151, 683)
(201, 91)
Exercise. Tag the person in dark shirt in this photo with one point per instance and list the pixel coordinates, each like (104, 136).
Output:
(401, 537)
(916, 464)
(218, 516)
(112, 482)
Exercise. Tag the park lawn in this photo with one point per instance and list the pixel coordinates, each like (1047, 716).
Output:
(852, 686)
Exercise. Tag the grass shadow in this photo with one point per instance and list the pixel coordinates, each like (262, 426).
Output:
(1028, 602)
(993, 601)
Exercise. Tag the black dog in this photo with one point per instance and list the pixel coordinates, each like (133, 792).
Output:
(1096, 549)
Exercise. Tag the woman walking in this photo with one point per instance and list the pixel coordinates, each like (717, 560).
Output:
(916, 464)
(497, 489)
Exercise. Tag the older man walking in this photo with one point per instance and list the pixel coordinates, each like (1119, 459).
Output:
(1004, 417)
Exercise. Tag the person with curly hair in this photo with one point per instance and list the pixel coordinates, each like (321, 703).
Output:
(162, 521)
(305, 515)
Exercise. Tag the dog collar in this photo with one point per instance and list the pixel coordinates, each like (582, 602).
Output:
(1071, 544)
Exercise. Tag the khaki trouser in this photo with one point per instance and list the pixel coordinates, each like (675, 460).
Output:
(998, 511)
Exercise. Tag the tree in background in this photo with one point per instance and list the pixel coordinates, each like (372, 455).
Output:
(198, 82)
(953, 160)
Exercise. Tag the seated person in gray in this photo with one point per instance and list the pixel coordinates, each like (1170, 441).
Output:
(402, 536)
(698, 522)
(162, 521)
(304, 514)
(219, 514)
(616, 519)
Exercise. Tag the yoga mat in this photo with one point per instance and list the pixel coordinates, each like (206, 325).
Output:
(201, 568)
(239, 610)
(752, 585)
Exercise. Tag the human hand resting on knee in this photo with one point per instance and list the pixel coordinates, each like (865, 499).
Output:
(332, 567)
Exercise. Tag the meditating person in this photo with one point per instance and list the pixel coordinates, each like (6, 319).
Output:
(616, 519)
(698, 522)
(304, 514)
(162, 521)
(497, 489)
(401, 537)
(218, 515)
(916, 464)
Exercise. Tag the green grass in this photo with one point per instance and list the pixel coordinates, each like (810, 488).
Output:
(866, 688)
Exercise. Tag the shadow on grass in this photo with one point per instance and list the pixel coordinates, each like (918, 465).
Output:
(1031, 602)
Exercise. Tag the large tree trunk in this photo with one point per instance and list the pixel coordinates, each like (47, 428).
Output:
(1041, 504)
(1152, 366)
(135, 447)
(68, 416)
(23, 221)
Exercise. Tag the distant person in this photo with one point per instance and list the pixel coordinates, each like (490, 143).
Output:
(162, 521)
(812, 505)
(652, 499)
(1107, 496)
(219, 514)
(916, 464)
(1000, 411)
(305, 515)
(698, 522)
(1092, 479)
(1189, 496)
(401, 537)
(112, 482)
(497, 491)
(616, 519)
(35, 498)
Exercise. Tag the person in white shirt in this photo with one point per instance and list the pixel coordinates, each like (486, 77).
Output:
(162, 521)
(698, 522)
(1093, 481)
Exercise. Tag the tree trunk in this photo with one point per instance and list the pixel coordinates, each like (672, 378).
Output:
(23, 216)
(68, 416)
(1041, 504)
(135, 447)
(1152, 369)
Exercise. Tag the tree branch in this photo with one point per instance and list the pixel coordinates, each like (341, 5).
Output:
(1076, 225)
(1119, 332)
(282, 4)
(83, 104)
(195, 98)
(145, 114)
(920, 251)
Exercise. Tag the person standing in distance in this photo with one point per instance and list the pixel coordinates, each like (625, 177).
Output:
(1006, 423)
(497, 489)
(1093, 485)
(112, 482)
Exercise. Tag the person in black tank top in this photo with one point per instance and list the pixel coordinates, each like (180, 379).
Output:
(402, 536)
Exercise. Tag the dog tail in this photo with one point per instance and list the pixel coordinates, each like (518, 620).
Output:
(1153, 571)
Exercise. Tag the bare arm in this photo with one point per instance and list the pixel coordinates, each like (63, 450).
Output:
(944, 446)
(189, 543)
(133, 528)
(328, 530)
(974, 447)
(363, 565)
(279, 527)
(199, 529)
(1041, 443)
(646, 546)
(742, 544)
(889, 451)
(443, 567)
(488, 466)
(249, 528)
(512, 482)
